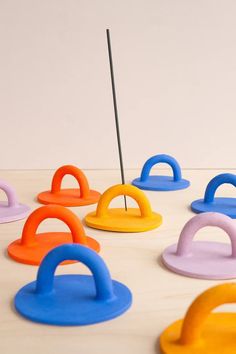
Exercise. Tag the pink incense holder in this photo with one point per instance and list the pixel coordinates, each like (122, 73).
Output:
(203, 259)
(11, 210)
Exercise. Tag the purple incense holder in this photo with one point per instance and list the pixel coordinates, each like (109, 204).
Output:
(11, 210)
(203, 259)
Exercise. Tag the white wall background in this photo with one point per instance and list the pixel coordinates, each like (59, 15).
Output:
(175, 67)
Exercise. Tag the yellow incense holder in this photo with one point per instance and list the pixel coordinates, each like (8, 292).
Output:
(121, 220)
(203, 332)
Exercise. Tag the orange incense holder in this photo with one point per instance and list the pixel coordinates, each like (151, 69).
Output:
(32, 248)
(69, 197)
(203, 332)
(121, 220)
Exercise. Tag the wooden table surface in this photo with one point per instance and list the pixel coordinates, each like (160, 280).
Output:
(159, 296)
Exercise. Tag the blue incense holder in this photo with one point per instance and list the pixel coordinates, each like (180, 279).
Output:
(161, 183)
(225, 206)
(72, 300)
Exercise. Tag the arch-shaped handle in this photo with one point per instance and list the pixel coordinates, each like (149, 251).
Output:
(215, 183)
(123, 189)
(202, 220)
(10, 194)
(201, 308)
(75, 172)
(102, 278)
(162, 158)
(57, 212)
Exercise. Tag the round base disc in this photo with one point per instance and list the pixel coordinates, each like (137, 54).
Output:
(208, 260)
(120, 220)
(218, 337)
(8, 214)
(68, 197)
(72, 302)
(225, 206)
(44, 243)
(161, 183)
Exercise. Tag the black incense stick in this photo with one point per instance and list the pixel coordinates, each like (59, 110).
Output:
(116, 111)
